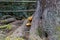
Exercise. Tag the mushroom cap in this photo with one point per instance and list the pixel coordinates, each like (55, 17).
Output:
(28, 24)
(30, 18)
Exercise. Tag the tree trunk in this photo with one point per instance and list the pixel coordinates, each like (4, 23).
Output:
(51, 19)
(35, 22)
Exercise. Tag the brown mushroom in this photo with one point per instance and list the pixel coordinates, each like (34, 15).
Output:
(28, 24)
(30, 18)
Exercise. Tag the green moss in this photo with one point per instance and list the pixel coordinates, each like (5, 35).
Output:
(3, 20)
(7, 38)
(58, 28)
(19, 38)
(39, 31)
(8, 26)
(58, 37)
(16, 38)
(4, 26)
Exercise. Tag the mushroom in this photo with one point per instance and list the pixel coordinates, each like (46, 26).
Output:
(30, 18)
(28, 24)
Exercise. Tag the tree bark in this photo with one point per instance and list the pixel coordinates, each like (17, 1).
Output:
(35, 22)
(51, 20)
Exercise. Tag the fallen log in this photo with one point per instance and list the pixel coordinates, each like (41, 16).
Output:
(6, 17)
(6, 21)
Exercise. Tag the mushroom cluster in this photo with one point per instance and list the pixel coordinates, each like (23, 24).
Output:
(30, 20)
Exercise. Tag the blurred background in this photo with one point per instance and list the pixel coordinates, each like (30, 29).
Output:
(17, 8)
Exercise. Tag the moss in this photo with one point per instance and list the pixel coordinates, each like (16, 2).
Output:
(58, 28)
(39, 32)
(4, 26)
(3, 20)
(8, 26)
(7, 38)
(19, 38)
(16, 38)
(58, 37)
